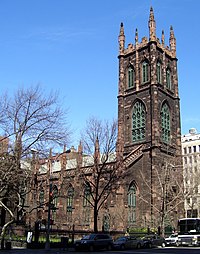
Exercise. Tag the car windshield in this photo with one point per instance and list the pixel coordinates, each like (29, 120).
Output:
(121, 239)
(87, 237)
(173, 236)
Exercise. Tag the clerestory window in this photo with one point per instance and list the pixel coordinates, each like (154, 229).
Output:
(138, 121)
(165, 123)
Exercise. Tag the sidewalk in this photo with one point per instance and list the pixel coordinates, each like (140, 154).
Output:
(36, 251)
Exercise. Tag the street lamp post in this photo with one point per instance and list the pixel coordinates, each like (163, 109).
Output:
(50, 204)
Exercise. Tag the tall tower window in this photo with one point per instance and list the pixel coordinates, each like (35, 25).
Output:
(131, 77)
(165, 122)
(168, 79)
(132, 204)
(158, 72)
(145, 72)
(86, 203)
(138, 121)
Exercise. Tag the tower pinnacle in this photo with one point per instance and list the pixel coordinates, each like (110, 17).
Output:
(152, 26)
(172, 41)
(121, 39)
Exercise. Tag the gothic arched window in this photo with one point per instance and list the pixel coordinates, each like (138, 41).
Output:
(145, 71)
(131, 77)
(158, 72)
(132, 204)
(138, 121)
(87, 194)
(168, 79)
(70, 196)
(86, 203)
(165, 123)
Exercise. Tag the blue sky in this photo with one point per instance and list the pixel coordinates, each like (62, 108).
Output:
(72, 46)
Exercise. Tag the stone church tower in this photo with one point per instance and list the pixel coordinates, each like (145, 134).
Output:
(149, 191)
(149, 135)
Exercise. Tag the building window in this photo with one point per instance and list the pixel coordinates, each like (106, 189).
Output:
(189, 149)
(194, 149)
(185, 150)
(168, 79)
(158, 72)
(145, 72)
(131, 77)
(70, 197)
(138, 121)
(55, 200)
(165, 122)
(86, 203)
(41, 197)
(132, 204)
(185, 160)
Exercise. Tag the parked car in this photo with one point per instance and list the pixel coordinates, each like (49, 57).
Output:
(128, 242)
(154, 241)
(172, 240)
(94, 242)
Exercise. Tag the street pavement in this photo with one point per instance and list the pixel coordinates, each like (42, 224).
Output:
(167, 250)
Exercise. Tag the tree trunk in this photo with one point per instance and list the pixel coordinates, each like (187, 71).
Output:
(95, 220)
(3, 233)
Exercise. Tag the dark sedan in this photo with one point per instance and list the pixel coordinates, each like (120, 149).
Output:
(94, 242)
(154, 241)
(128, 242)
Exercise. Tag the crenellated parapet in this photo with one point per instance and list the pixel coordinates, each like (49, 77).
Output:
(160, 43)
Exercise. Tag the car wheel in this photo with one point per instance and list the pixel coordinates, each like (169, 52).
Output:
(91, 248)
(122, 247)
(138, 246)
(109, 247)
(163, 244)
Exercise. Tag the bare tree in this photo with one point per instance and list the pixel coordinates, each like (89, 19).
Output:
(168, 193)
(31, 120)
(102, 173)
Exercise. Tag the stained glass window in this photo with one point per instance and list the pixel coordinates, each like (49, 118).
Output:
(131, 77)
(132, 204)
(138, 121)
(145, 72)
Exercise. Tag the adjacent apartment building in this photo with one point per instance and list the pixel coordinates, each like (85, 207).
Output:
(191, 172)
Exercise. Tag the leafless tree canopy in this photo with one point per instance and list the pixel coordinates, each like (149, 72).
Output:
(34, 119)
(104, 131)
(30, 121)
(99, 140)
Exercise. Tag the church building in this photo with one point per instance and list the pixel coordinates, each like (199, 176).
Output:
(149, 142)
